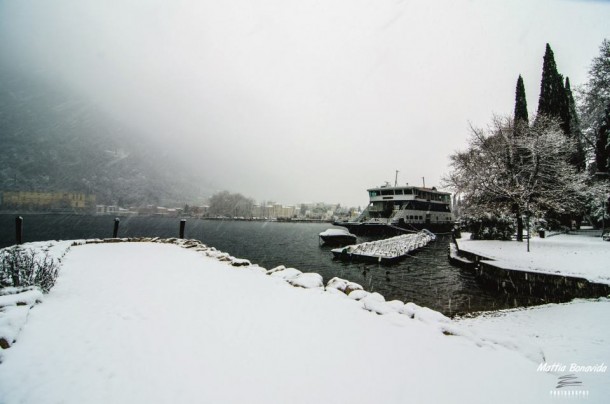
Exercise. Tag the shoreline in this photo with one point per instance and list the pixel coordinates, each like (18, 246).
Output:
(499, 266)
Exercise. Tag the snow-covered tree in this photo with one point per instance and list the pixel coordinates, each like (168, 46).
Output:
(594, 108)
(578, 157)
(232, 205)
(490, 181)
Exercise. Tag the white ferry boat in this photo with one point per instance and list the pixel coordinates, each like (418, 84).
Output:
(400, 209)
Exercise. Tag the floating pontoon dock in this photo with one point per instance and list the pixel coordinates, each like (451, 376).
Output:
(385, 251)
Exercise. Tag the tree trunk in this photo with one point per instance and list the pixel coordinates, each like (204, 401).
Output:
(519, 224)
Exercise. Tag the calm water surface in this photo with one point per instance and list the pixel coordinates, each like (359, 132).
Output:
(426, 278)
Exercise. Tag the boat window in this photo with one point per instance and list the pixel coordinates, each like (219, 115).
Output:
(398, 192)
(408, 191)
(373, 193)
(387, 192)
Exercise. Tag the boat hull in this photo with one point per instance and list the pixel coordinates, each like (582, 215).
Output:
(335, 240)
(381, 229)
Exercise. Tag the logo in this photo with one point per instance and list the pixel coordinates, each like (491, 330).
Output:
(569, 385)
(567, 381)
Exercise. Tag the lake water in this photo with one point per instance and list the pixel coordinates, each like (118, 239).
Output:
(426, 278)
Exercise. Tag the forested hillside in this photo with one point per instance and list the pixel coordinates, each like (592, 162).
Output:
(51, 140)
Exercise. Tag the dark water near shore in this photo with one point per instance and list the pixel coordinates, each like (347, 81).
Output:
(426, 279)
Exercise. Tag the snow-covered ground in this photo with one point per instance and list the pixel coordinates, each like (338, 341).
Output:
(572, 335)
(566, 254)
(156, 323)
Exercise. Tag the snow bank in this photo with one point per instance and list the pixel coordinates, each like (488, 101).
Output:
(151, 322)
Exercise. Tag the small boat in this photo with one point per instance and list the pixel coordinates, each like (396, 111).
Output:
(337, 237)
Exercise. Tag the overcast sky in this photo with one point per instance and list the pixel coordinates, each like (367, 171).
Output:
(297, 100)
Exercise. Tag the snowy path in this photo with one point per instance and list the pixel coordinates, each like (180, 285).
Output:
(155, 323)
(565, 254)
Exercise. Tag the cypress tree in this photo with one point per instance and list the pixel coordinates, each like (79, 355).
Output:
(521, 122)
(571, 127)
(549, 70)
(565, 115)
(552, 101)
(520, 103)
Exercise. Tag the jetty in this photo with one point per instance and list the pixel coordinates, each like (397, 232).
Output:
(386, 251)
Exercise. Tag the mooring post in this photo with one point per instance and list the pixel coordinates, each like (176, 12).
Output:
(19, 230)
(115, 232)
(182, 225)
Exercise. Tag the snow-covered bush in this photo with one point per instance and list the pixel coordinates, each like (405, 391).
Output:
(26, 267)
(489, 227)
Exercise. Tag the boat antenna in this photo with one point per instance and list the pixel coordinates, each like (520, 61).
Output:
(424, 180)
(396, 179)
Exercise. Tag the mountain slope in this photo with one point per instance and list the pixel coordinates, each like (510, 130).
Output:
(51, 140)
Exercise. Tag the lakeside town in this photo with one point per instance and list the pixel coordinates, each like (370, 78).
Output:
(243, 209)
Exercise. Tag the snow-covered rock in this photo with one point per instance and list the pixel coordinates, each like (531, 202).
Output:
(343, 285)
(396, 305)
(276, 269)
(239, 262)
(286, 274)
(410, 309)
(307, 280)
(358, 294)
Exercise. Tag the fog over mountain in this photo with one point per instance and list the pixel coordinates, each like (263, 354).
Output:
(54, 141)
(279, 99)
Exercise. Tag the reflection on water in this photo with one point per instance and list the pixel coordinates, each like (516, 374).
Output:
(425, 278)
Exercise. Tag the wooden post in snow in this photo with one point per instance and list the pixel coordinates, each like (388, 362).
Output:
(115, 232)
(18, 230)
(182, 225)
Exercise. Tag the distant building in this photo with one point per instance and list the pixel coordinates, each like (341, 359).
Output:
(273, 211)
(45, 201)
(113, 210)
